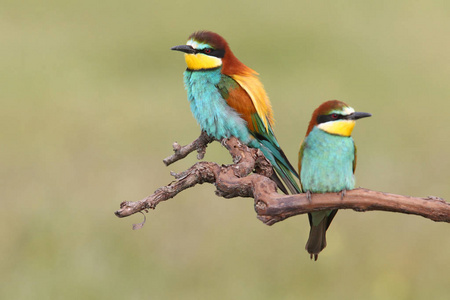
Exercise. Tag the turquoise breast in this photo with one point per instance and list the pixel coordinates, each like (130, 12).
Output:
(327, 162)
(210, 109)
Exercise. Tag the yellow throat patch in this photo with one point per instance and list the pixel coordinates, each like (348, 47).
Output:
(201, 61)
(341, 127)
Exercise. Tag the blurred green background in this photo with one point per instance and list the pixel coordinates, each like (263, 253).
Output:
(92, 99)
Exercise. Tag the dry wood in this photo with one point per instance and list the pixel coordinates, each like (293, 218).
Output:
(249, 177)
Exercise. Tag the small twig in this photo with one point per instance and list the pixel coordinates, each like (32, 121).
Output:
(181, 152)
(198, 173)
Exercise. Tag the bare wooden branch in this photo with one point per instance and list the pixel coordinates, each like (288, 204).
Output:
(181, 152)
(197, 174)
(278, 208)
(237, 180)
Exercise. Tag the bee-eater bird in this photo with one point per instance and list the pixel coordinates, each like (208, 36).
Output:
(327, 162)
(227, 99)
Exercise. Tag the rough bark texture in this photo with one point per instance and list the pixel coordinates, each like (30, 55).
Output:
(199, 144)
(249, 177)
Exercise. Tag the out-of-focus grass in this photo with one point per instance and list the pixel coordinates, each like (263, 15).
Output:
(92, 99)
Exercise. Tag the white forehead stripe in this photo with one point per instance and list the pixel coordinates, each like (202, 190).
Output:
(192, 43)
(348, 110)
(197, 45)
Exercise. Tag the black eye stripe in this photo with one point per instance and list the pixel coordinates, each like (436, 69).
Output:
(220, 53)
(330, 117)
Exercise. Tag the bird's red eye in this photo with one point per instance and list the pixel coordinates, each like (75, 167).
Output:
(334, 116)
(207, 50)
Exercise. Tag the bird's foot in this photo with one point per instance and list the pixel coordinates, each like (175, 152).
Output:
(343, 193)
(223, 142)
(308, 195)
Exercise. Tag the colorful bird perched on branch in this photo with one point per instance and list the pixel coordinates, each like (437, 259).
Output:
(327, 162)
(227, 99)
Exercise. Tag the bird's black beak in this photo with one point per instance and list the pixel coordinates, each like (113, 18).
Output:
(184, 48)
(359, 115)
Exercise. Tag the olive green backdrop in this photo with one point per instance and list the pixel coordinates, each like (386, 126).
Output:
(92, 99)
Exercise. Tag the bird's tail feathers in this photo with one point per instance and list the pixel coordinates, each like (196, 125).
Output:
(272, 151)
(317, 239)
(282, 166)
(288, 179)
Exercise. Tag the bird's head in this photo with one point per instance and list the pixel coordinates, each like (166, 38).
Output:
(204, 50)
(335, 117)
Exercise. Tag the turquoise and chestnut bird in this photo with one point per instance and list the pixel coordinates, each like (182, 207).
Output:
(327, 162)
(227, 99)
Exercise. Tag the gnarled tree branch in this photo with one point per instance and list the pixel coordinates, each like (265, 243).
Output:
(237, 180)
